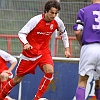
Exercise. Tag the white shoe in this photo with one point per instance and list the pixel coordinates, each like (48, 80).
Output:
(9, 98)
(42, 99)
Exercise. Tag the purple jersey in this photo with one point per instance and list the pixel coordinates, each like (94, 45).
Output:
(90, 17)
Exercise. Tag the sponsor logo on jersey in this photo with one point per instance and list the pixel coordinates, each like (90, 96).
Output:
(44, 33)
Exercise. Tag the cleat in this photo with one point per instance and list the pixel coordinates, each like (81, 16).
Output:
(9, 98)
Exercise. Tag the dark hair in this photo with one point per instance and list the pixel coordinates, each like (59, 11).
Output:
(51, 3)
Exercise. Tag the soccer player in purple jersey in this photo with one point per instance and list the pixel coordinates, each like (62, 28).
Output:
(87, 31)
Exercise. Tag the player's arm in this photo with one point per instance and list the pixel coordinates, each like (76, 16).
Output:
(22, 34)
(78, 35)
(13, 62)
(8, 73)
(78, 27)
(9, 58)
(64, 36)
(65, 40)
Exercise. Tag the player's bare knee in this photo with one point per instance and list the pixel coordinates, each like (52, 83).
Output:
(48, 68)
(50, 71)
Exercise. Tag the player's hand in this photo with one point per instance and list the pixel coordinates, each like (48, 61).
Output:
(6, 71)
(8, 74)
(27, 46)
(67, 53)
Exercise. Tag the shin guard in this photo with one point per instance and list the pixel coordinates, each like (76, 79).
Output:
(44, 84)
(3, 83)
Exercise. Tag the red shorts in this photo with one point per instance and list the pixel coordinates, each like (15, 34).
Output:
(28, 67)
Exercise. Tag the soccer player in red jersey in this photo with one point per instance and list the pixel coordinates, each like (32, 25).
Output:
(35, 37)
(5, 72)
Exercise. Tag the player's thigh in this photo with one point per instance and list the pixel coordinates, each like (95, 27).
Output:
(97, 69)
(46, 64)
(88, 59)
(26, 67)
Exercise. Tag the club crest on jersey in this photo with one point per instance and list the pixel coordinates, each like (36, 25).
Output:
(51, 26)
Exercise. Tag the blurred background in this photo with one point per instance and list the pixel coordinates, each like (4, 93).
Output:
(14, 14)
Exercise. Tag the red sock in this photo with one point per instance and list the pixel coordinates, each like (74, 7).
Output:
(7, 88)
(44, 85)
(3, 83)
(0, 86)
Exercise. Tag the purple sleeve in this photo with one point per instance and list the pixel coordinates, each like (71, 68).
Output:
(78, 26)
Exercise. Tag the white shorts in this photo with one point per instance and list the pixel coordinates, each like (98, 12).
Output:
(89, 59)
(96, 75)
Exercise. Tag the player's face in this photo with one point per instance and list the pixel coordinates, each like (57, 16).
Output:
(51, 14)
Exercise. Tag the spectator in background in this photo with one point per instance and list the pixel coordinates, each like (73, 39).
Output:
(87, 31)
(35, 36)
(5, 72)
